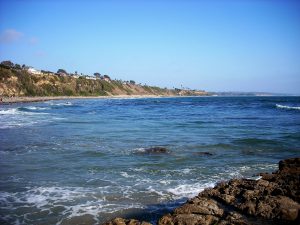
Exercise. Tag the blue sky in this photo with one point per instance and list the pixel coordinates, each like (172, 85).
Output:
(211, 45)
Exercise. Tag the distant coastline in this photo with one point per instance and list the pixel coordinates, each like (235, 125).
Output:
(25, 83)
(9, 100)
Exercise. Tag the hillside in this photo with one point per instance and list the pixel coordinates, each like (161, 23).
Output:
(19, 82)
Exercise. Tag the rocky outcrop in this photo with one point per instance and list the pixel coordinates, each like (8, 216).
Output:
(121, 221)
(273, 199)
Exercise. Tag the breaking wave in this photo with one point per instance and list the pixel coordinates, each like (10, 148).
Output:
(287, 107)
(59, 103)
(22, 110)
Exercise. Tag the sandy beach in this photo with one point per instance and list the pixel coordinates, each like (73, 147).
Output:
(10, 100)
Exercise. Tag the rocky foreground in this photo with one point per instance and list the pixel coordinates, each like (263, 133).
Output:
(273, 199)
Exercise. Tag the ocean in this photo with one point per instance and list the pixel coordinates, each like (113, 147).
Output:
(86, 160)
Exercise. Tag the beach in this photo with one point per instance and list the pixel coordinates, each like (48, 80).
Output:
(9, 100)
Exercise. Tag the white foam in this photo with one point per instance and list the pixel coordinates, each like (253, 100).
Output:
(139, 150)
(151, 189)
(125, 174)
(21, 116)
(76, 201)
(287, 107)
(9, 111)
(59, 103)
(186, 171)
(18, 111)
(35, 108)
(189, 190)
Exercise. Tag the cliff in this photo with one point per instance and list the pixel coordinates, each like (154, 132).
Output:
(19, 83)
(273, 199)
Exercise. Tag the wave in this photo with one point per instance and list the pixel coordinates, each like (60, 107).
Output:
(59, 103)
(22, 110)
(9, 112)
(287, 107)
(189, 190)
(68, 202)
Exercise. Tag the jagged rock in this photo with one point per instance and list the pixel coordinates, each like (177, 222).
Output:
(202, 206)
(274, 199)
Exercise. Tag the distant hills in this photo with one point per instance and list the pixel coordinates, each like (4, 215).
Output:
(18, 81)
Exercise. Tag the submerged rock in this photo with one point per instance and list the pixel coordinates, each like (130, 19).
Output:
(274, 199)
(155, 150)
(203, 154)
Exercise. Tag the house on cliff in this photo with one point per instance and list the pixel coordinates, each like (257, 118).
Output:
(33, 71)
(106, 78)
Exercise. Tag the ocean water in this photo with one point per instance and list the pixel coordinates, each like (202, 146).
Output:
(84, 161)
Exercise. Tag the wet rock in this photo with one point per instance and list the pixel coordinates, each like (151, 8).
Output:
(156, 150)
(204, 206)
(121, 221)
(274, 199)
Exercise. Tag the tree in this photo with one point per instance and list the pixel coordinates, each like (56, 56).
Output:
(97, 74)
(62, 71)
(132, 82)
(106, 76)
(17, 66)
(7, 63)
(75, 72)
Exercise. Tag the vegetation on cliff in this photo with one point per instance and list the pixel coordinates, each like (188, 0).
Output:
(18, 81)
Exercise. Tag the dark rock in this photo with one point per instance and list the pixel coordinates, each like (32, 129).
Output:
(204, 153)
(156, 150)
(121, 221)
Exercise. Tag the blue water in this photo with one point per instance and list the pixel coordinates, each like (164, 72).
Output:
(84, 160)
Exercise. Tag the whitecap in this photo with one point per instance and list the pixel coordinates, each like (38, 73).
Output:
(17, 111)
(9, 111)
(287, 107)
(35, 108)
(189, 190)
(126, 175)
(59, 103)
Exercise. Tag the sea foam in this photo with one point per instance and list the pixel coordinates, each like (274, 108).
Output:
(287, 107)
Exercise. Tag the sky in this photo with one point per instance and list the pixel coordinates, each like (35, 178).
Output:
(207, 45)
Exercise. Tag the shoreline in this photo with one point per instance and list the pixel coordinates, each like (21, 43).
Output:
(27, 99)
(13, 100)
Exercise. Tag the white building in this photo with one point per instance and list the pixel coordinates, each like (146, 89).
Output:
(34, 71)
(90, 78)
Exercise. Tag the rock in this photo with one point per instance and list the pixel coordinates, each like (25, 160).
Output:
(156, 150)
(203, 153)
(187, 219)
(274, 199)
(245, 198)
(204, 206)
(121, 221)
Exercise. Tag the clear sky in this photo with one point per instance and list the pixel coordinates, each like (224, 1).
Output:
(224, 45)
